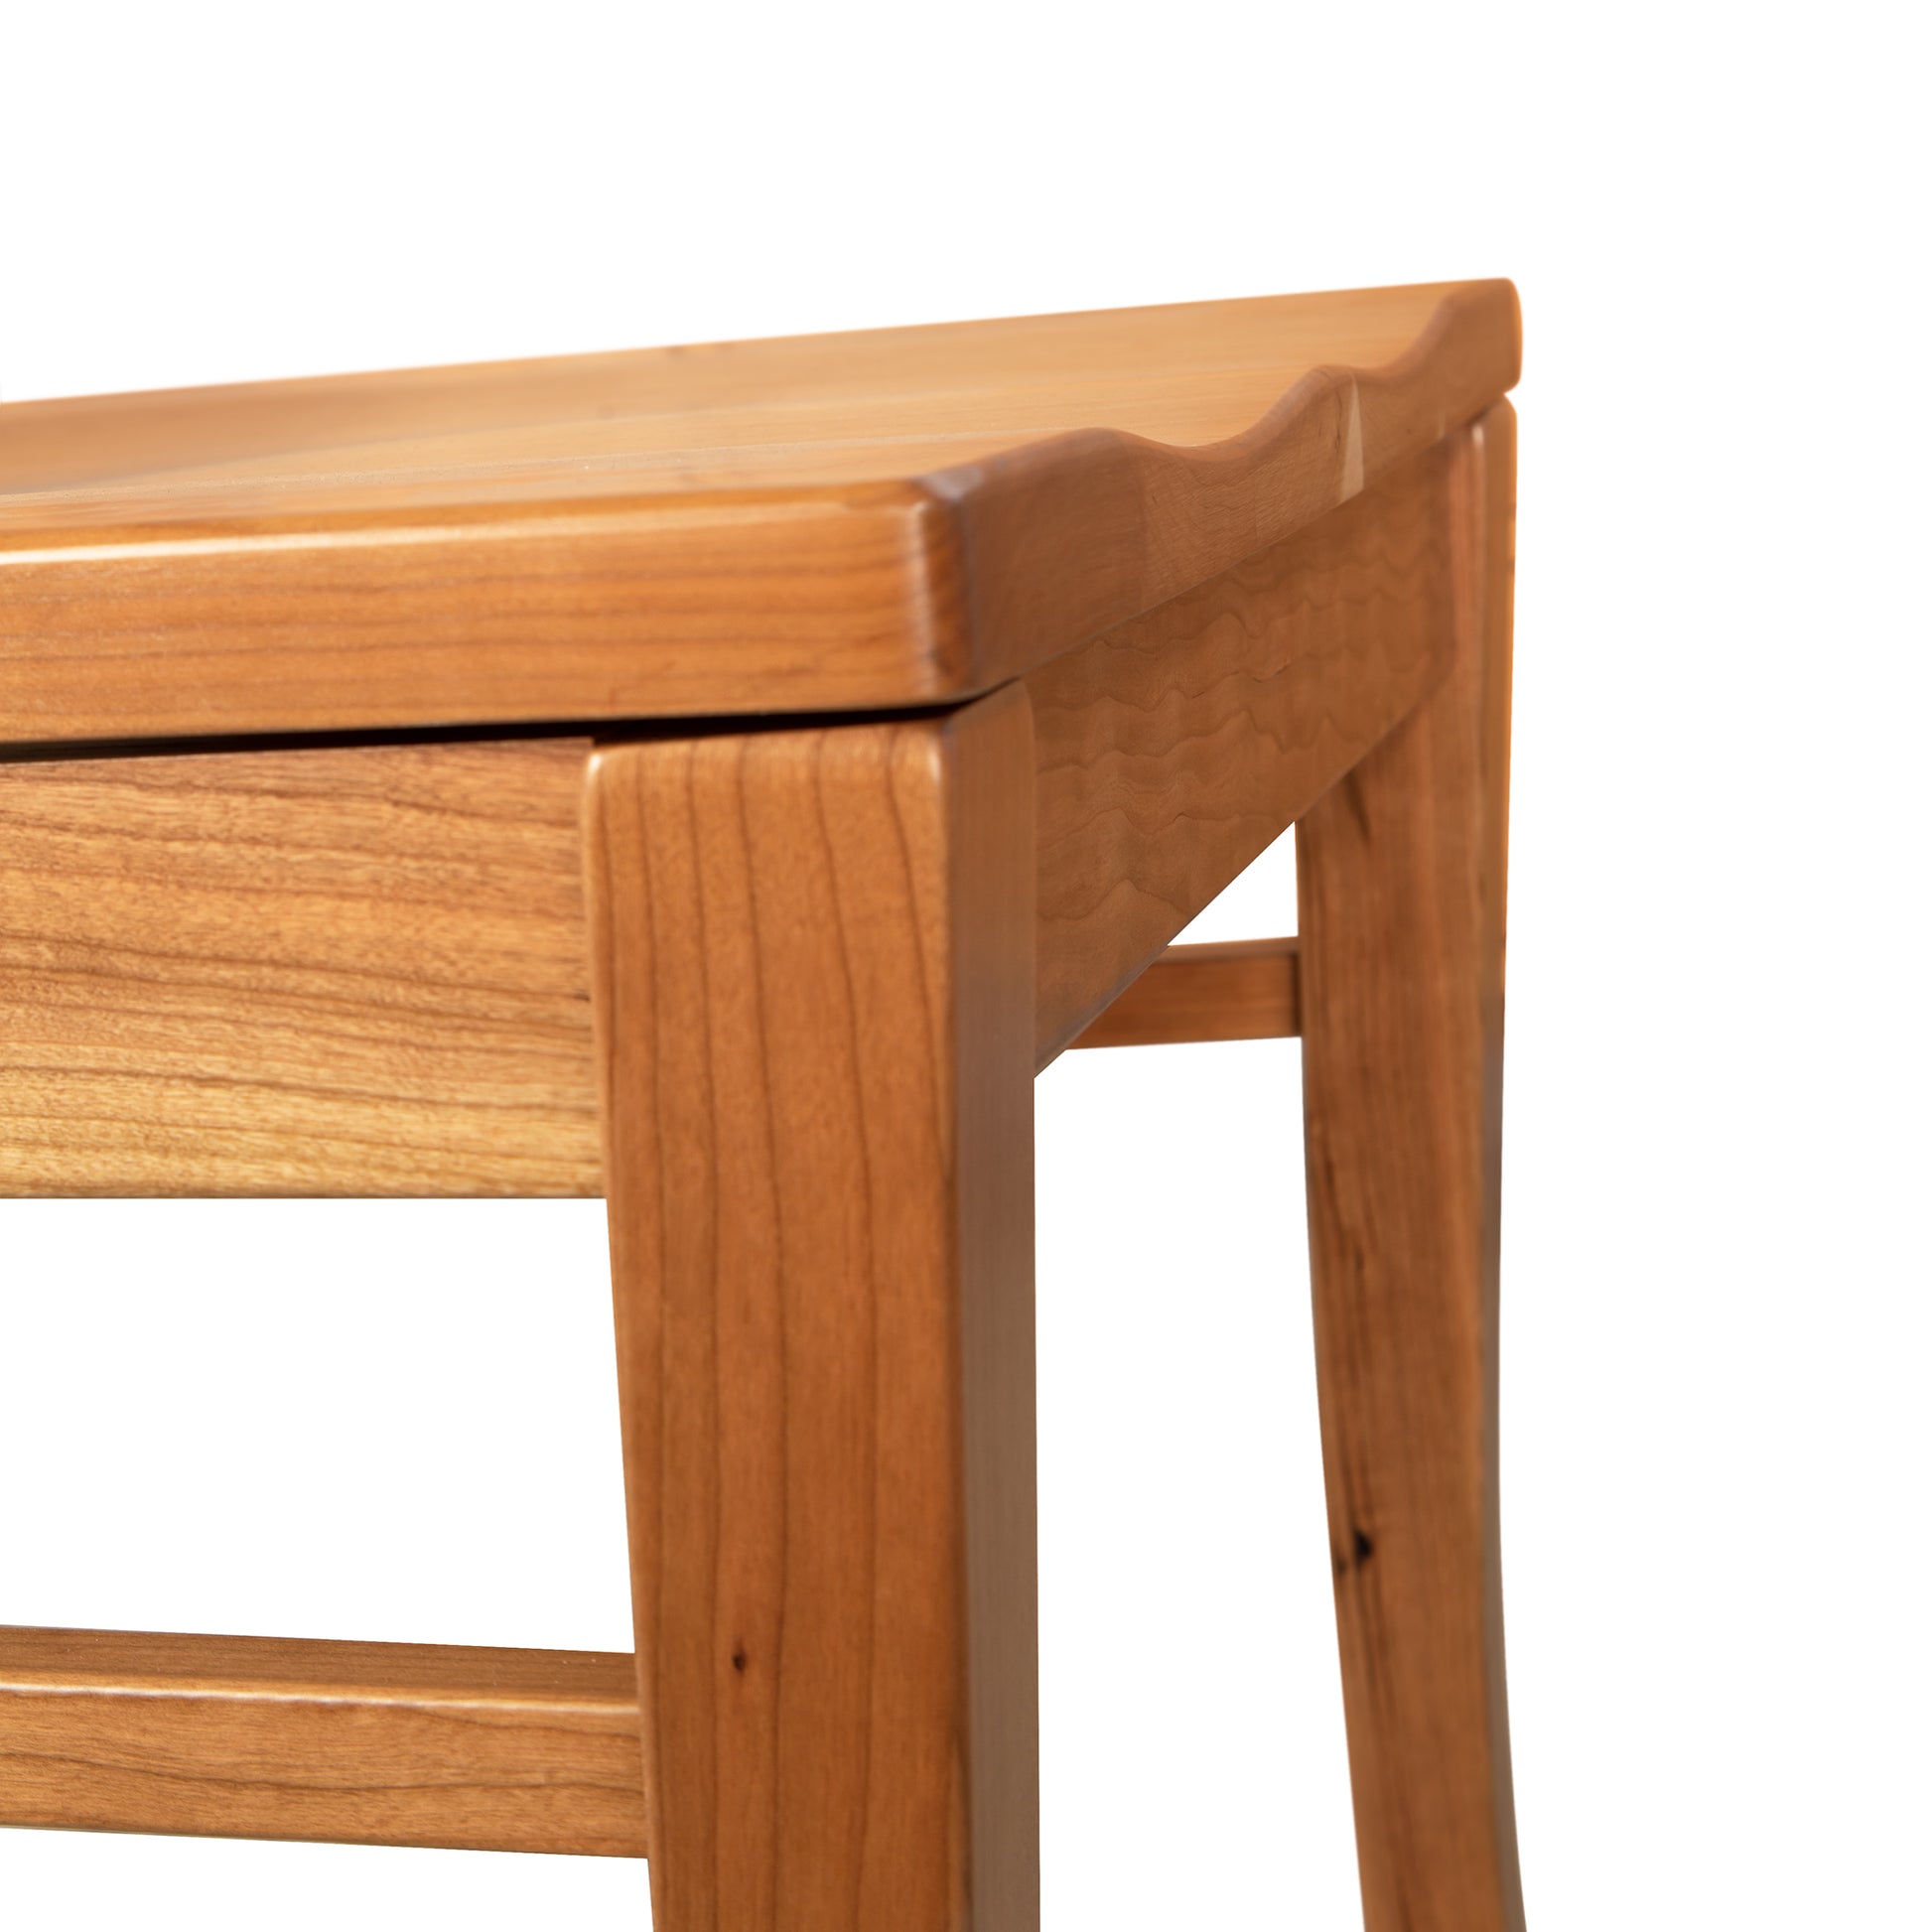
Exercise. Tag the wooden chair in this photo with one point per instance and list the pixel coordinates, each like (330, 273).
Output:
(718, 778)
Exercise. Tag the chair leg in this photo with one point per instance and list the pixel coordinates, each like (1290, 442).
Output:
(1402, 871)
(814, 992)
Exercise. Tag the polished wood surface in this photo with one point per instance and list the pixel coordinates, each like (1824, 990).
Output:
(347, 970)
(1174, 750)
(814, 996)
(371, 1743)
(1001, 648)
(360, 969)
(1402, 877)
(830, 523)
(1236, 989)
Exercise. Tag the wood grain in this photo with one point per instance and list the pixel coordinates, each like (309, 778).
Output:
(361, 969)
(814, 995)
(370, 1743)
(342, 970)
(1239, 989)
(1175, 748)
(1402, 872)
(888, 518)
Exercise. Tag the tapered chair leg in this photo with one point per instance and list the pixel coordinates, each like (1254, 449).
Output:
(1402, 871)
(814, 999)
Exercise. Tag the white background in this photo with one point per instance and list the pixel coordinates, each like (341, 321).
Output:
(397, 1421)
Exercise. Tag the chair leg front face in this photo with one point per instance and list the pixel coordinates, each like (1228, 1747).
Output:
(814, 989)
(1402, 892)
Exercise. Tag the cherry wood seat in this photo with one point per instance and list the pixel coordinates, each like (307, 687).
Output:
(828, 523)
(718, 778)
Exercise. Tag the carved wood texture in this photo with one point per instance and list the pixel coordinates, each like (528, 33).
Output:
(1403, 882)
(835, 522)
(350, 970)
(372, 1743)
(1240, 989)
(814, 997)
(1174, 750)
(360, 969)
